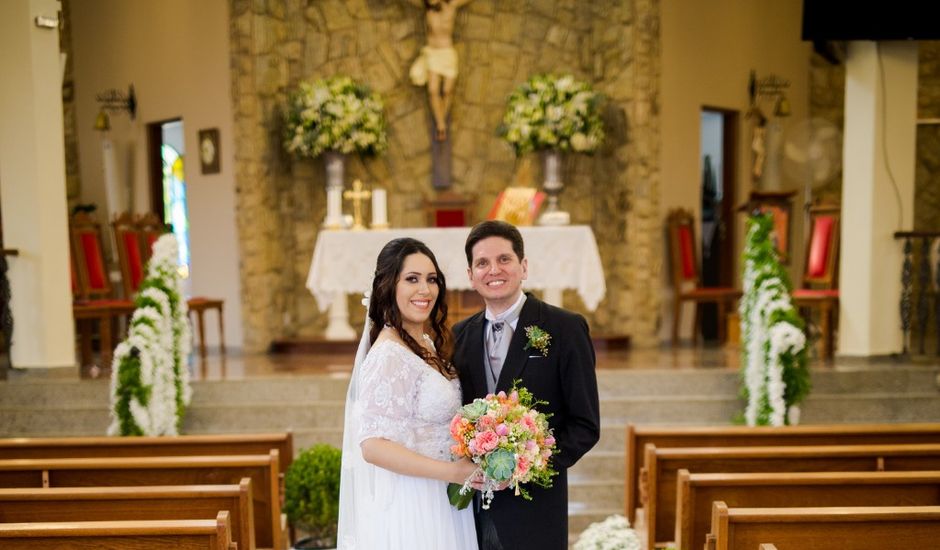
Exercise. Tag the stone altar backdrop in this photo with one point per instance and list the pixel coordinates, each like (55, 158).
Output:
(277, 43)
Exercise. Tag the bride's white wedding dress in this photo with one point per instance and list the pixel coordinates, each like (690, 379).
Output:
(403, 399)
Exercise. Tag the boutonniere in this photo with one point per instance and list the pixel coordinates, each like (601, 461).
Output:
(538, 339)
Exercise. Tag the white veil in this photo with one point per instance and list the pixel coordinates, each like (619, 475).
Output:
(356, 483)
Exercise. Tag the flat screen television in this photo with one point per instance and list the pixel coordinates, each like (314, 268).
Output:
(854, 20)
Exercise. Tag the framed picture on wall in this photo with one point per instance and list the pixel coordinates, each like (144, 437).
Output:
(780, 207)
(209, 151)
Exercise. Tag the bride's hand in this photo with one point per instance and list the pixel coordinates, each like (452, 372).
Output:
(463, 469)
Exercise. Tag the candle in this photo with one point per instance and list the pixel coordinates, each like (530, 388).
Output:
(379, 211)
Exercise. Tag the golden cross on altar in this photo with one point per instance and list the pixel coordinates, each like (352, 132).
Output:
(357, 195)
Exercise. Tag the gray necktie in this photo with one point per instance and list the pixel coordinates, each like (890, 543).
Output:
(498, 336)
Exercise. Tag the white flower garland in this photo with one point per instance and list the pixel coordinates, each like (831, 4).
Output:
(766, 338)
(154, 355)
(614, 533)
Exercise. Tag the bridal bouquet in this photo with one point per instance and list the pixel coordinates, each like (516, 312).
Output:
(509, 440)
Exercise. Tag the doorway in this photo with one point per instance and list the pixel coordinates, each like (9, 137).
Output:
(167, 153)
(717, 168)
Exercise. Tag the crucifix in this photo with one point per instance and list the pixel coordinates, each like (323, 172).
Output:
(436, 68)
(357, 195)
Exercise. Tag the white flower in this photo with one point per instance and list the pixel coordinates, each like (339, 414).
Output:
(614, 533)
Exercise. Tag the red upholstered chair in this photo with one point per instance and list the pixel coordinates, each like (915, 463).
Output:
(448, 209)
(91, 287)
(130, 248)
(686, 283)
(820, 273)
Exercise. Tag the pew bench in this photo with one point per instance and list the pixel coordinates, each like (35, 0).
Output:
(270, 525)
(184, 534)
(761, 436)
(824, 528)
(180, 445)
(663, 466)
(696, 493)
(134, 503)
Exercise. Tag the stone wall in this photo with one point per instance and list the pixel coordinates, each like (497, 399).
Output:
(278, 43)
(73, 176)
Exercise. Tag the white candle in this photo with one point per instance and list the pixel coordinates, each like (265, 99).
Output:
(112, 188)
(379, 211)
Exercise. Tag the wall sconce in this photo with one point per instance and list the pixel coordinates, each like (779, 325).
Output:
(771, 87)
(114, 101)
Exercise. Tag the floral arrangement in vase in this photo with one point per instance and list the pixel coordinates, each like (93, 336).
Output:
(553, 112)
(775, 376)
(149, 375)
(335, 114)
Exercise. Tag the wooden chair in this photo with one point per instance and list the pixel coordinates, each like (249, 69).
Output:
(91, 288)
(449, 209)
(135, 238)
(820, 290)
(686, 283)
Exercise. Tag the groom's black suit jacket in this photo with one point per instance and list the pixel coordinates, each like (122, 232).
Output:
(567, 381)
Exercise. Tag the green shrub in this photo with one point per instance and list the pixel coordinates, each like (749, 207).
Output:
(312, 491)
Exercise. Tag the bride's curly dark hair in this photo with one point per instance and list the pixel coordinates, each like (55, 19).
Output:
(383, 307)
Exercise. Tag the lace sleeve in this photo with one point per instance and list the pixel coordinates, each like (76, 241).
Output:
(388, 398)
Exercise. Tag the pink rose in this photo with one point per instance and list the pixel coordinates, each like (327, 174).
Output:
(530, 445)
(485, 422)
(485, 441)
(529, 424)
(455, 426)
(549, 441)
(522, 466)
(502, 429)
(514, 397)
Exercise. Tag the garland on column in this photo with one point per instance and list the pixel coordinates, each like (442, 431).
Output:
(149, 376)
(773, 351)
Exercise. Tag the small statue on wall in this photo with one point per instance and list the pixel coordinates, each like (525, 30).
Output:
(436, 66)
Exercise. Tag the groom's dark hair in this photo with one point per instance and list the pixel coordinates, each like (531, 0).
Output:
(494, 228)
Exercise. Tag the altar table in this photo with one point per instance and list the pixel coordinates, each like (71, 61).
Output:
(559, 257)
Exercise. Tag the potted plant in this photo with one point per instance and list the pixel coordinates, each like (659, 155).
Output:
(311, 498)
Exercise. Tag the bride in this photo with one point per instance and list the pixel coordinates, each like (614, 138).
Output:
(403, 393)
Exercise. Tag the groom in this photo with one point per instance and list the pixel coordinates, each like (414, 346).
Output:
(490, 353)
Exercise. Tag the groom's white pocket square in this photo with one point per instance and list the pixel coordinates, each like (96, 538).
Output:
(537, 356)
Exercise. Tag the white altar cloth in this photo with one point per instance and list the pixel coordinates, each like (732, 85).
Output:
(560, 257)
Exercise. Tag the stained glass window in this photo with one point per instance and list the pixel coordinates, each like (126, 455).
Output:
(174, 203)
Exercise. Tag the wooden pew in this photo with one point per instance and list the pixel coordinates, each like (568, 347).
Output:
(764, 436)
(696, 492)
(850, 528)
(663, 466)
(270, 528)
(180, 445)
(183, 534)
(134, 503)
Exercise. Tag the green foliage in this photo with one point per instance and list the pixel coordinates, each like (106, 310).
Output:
(312, 491)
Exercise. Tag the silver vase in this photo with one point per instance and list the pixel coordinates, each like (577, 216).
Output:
(335, 171)
(552, 214)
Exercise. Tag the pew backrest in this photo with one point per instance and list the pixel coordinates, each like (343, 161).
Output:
(185, 534)
(663, 466)
(180, 445)
(746, 436)
(696, 492)
(134, 503)
(163, 470)
(818, 528)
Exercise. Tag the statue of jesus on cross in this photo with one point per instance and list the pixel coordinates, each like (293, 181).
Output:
(436, 66)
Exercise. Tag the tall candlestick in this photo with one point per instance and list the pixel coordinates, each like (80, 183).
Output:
(379, 210)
